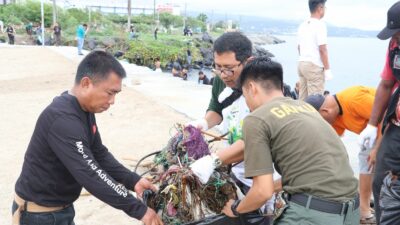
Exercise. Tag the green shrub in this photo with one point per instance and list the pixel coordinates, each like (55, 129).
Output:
(117, 18)
(29, 11)
(168, 48)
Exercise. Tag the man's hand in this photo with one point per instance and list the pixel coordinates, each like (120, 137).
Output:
(201, 124)
(144, 184)
(151, 218)
(227, 210)
(372, 159)
(328, 75)
(368, 136)
(203, 168)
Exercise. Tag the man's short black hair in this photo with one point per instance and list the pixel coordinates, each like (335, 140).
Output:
(313, 4)
(265, 71)
(235, 42)
(98, 65)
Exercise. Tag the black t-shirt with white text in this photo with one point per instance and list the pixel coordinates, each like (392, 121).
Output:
(66, 153)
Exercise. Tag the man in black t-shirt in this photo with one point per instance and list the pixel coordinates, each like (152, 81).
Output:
(11, 34)
(66, 153)
(57, 34)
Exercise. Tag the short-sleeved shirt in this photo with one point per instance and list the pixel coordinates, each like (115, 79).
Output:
(312, 33)
(387, 72)
(10, 30)
(80, 32)
(356, 104)
(304, 148)
(57, 30)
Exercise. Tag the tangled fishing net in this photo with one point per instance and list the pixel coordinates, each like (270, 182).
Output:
(182, 198)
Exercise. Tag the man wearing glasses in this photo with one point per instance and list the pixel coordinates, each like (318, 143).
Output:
(227, 107)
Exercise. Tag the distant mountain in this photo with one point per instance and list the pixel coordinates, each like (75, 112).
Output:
(253, 24)
(277, 27)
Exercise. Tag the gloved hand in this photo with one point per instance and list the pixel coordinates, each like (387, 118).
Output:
(203, 168)
(201, 124)
(368, 136)
(328, 74)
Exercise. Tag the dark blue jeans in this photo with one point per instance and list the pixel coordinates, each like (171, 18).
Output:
(61, 217)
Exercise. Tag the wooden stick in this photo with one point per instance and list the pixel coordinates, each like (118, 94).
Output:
(214, 136)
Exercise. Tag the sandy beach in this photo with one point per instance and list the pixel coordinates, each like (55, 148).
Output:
(30, 77)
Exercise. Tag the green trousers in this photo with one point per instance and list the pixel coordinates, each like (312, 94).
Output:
(299, 215)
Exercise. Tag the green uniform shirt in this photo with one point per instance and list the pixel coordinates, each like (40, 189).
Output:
(304, 148)
(218, 87)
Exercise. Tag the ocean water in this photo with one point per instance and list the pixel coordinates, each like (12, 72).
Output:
(353, 61)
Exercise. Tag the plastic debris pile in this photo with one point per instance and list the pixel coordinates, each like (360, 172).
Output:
(182, 198)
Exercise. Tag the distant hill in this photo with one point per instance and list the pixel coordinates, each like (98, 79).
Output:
(274, 26)
(253, 24)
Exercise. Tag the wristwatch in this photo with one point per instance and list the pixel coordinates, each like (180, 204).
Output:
(217, 161)
(234, 207)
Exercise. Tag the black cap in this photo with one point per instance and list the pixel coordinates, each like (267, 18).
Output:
(315, 100)
(393, 22)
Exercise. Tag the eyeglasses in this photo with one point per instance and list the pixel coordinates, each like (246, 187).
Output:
(227, 71)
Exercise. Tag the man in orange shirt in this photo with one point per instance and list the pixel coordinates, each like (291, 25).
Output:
(350, 110)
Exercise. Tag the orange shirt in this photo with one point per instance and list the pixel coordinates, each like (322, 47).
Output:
(356, 103)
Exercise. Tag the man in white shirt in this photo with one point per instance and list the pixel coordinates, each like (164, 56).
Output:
(313, 65)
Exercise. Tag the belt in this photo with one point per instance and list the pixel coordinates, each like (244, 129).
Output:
(35, 208)
(322, 205)
(27, 206)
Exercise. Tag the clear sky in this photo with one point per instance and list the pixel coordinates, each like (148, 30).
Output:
(362, 14)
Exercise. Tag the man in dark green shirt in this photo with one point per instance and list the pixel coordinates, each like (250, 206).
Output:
(304, 149)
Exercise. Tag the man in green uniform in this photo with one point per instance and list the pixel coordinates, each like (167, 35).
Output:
(305, 150)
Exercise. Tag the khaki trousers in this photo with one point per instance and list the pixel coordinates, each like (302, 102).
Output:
(312, 79)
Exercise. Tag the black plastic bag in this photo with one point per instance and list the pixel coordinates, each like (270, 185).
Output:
(251, 218)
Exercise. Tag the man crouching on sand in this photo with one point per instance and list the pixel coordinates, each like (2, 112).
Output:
(66, 153)
(316, 174)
